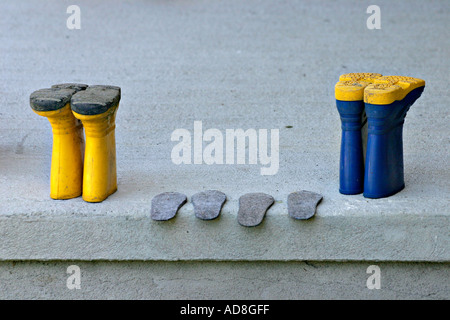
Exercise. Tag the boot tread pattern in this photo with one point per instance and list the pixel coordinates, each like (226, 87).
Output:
(387, 89)
(351, 85)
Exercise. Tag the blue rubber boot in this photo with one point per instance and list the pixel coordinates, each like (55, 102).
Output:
(351, 164)
(349, 92)
(386, 103)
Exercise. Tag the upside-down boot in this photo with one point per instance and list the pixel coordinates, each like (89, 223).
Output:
(75, 86)
(387, 101)
(349, 93)
(96, 107)
(66, 172)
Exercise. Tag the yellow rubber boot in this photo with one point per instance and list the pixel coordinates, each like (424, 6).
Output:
(96, 107)
(76, 86)
(68, 144)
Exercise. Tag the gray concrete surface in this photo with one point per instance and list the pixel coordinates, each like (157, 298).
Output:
(230, 64)
(222, 280)
(278, 237)
(252, 64)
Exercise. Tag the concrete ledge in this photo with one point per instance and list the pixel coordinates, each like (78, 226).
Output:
(278, 238)
(223, 280)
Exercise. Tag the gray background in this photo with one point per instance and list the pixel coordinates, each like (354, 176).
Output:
(231, 64)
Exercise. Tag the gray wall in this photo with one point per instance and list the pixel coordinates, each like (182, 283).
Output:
(223, 280)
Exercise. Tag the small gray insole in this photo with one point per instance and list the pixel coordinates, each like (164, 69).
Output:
(165, 205)
(302, 204)
(208, 204)
(253, 207)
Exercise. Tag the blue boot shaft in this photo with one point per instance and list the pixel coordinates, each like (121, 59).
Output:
(384, 172)
(351, 167)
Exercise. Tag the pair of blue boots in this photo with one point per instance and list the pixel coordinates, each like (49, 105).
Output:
(371, 162)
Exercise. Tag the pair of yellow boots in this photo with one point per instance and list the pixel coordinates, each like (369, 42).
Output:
(79, 167)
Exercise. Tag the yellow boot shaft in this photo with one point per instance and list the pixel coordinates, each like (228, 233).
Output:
(66, 172)
(100, 173)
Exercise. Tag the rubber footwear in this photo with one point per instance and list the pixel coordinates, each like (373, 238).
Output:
(66, 171)
(96, 107)
(349, 92)
(387, 101)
